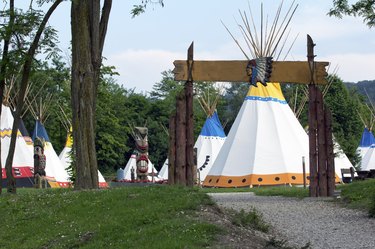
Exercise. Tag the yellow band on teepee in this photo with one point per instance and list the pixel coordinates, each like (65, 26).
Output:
(271, 92)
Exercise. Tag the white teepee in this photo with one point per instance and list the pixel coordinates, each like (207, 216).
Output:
(23, 162)
(367, 140)
(265, 145)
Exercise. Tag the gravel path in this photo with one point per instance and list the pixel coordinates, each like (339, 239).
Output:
(321, 222)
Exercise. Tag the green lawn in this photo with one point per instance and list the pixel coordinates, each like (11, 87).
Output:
(133, 217)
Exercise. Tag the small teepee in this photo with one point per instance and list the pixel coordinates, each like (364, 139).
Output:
(210, 139)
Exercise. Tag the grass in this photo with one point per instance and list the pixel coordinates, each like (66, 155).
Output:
(134, 217)
(360, 195)
(287, 191)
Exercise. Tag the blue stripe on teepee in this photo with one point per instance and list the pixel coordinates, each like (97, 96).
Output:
(367, 138)
(40, 131)
(212, 127)
(265, 99)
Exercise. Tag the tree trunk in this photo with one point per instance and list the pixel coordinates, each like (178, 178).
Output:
(180, 165)
(172, 150)
(88, 35)
(3, 69)
(21, 96)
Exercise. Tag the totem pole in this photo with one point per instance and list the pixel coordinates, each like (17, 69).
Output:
(141, 144)
(39, 164)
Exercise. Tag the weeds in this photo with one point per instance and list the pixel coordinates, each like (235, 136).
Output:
(249, 219)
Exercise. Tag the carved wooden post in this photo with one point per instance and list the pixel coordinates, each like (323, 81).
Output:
(322, 152)
(330, 154)
(190, 169)
(172, 150)
(180, 166)
(313, 188)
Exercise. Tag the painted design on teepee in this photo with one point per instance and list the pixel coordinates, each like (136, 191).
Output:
(265, 145)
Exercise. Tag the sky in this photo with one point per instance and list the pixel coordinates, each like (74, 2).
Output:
(142, 47)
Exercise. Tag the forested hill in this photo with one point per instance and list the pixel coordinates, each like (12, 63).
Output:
(362, 87)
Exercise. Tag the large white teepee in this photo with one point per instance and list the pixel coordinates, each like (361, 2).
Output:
(132, 164)
(23, 162)
(66, 159)
(54, 168)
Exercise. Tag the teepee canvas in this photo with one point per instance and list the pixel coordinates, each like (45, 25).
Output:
(23, 162)
(368, 160)
(66, 159)
(367, 140)
(163, 173)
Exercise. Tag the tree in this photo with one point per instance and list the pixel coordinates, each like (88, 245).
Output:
(362, 8)
(27, 64)
(89, 27)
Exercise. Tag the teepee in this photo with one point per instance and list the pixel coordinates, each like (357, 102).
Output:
(265, 145)
(23, 162)
(210, 139)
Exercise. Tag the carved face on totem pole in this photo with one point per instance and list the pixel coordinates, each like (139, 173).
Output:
(141, 143)
(39, 157)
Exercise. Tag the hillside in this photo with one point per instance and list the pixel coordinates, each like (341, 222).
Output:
(362, 87)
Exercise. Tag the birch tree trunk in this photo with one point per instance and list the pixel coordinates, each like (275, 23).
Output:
(88, 35)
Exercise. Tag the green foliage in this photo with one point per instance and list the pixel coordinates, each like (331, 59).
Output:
(251, 219)
(141, 8)
(135, 217)
(344, 105)
(360, 194)
(361, 8)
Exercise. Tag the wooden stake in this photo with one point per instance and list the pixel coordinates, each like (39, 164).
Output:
(190, 169)
(172, 150)
(322, 152)
(181, 139)
(312, 122)
(330, 154)
(304, 172)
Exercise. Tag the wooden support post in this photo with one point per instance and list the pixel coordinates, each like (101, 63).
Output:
(190, 169)
(181, 139)
(172, 150)
(331, 177)
(304, 172)
(322, 153)
(313, 154)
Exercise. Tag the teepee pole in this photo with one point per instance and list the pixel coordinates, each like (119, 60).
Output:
(190, 169)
